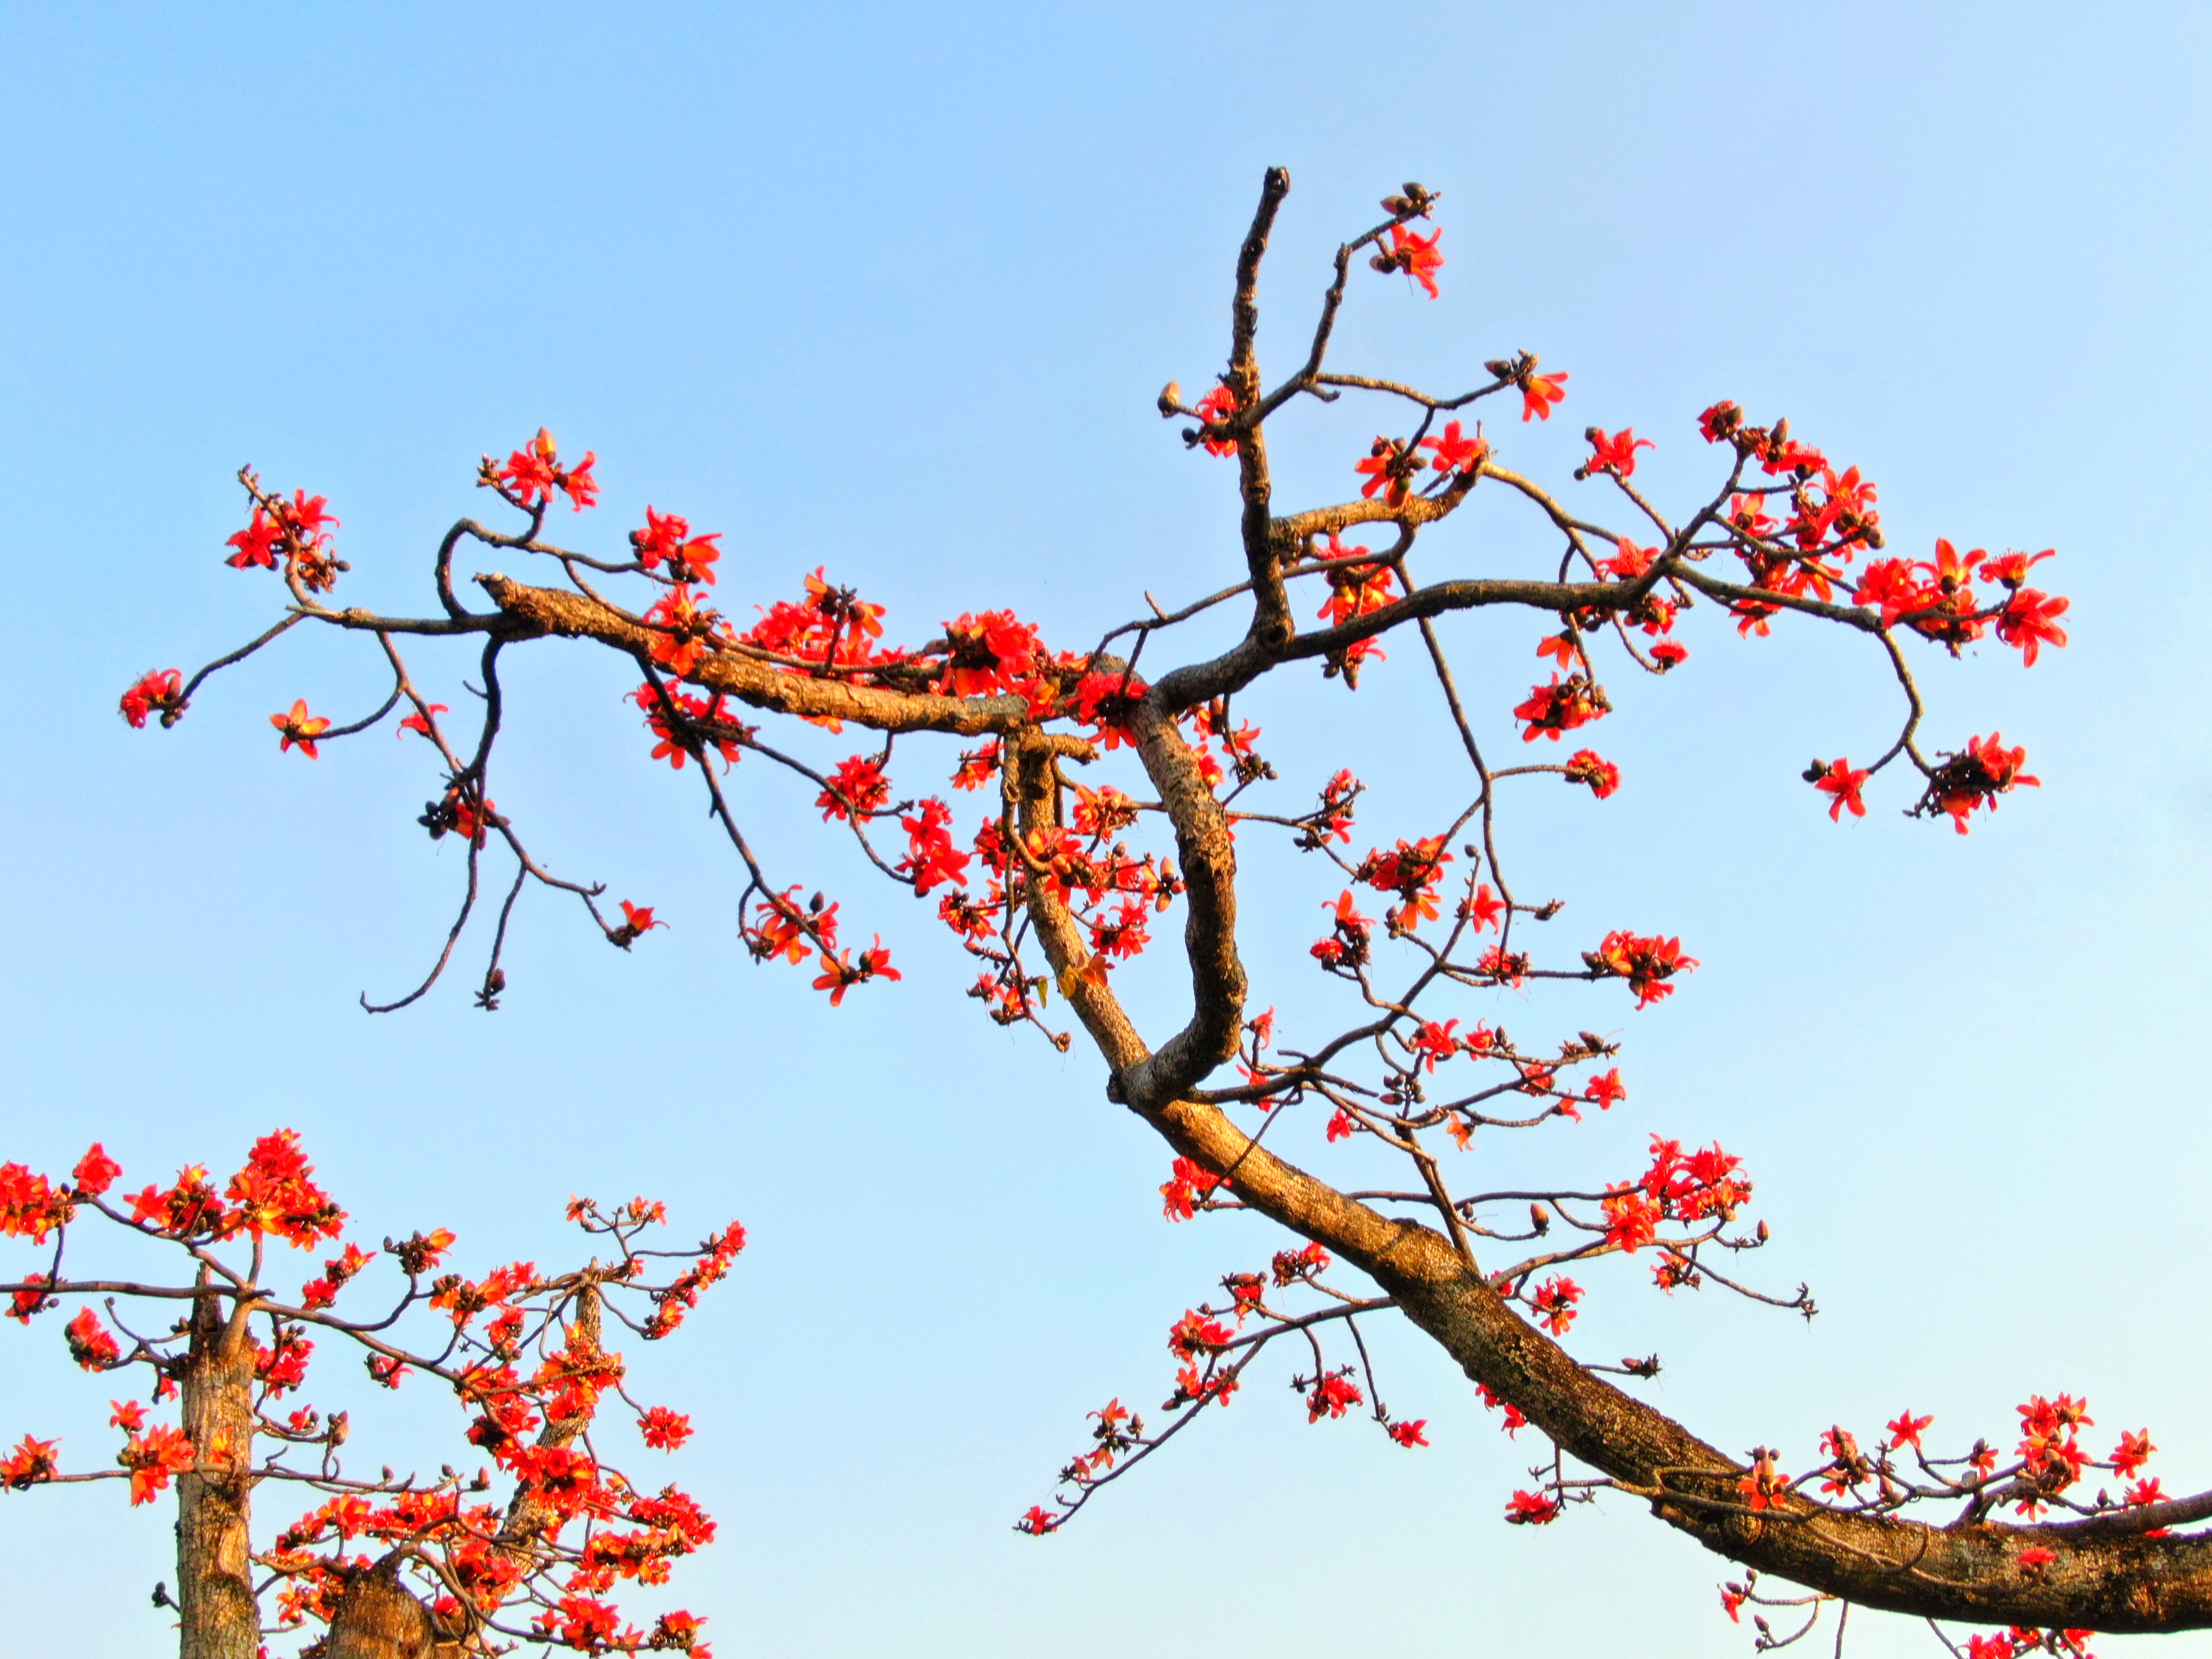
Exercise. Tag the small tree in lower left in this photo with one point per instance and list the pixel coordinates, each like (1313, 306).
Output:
(396, 1566)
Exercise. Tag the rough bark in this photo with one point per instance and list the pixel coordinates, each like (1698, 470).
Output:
(214, 1596)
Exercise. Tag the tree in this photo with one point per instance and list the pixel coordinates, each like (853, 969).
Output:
(529, 1556)
(1050, 899)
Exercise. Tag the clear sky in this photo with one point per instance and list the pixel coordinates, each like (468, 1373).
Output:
(891, 289)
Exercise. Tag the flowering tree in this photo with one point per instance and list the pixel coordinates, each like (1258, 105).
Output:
(528, 1555)
(1057, 878)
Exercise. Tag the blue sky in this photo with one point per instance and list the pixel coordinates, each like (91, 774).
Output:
(891, 292)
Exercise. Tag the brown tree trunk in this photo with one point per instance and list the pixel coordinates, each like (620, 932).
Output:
(215, 1605)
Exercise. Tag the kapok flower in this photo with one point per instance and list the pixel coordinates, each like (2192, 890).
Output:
(1333, 1395)
(1455, 450)
(157, 692)
(1554, 1303)
(1415, 255)
(299, 727)
(1975, 778)
(1905, 1429)
(1389, 466)
(1216, 406)
(1614, 453)
(1764, 1484)
(1602, 776)
(1837, 779)
(2030, 620)
(32, 1461)
(1538, 392)
(840, 973)
(1645, 963)
(1561, 706)
(1529, 1509)
(637, 920)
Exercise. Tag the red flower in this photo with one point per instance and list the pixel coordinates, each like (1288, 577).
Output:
(1108, 702)
(1332, 1396)
(684, 631)
(1195, 1334)
(1836, 778)
(256, 544)
(1975, 778)
(534, 473)
(156, 692)
(664, 1430)
(152, 1458)
(668, 536)
(1529, 1509)
(986, 655)
(931, 856)
(301, 727)
(1605, 1090)
(857, 786)
(1389, 467)
(32, 1461)
(2011, 570)
(840, 974)
(1455, 452)
(1554, 1303)
(1603, 777)
(1669, 655)
(581, 489)
(1483, 910)
(1630, 560)
(1216, 406)
(420, 720)
(89, 1344)
(1414, 255)
(1561, 706)
(1409, 1434)
(1631, 1220)
(1354, 590)
(1905, 1429)
(1615, 454)
(1036, 1522)
(2133, 1452)
(1645, 964)
(2029, 621)
(637, 921)
(1764, 1484)
(1186, 1185)
(1538, 392)
(95, 1172)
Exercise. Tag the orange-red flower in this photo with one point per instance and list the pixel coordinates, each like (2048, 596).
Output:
(1413, 254)
(299, 727)
(668, 536)
(1836, 778)
(1455, 450)
(2030, 620)
(1538, 392)
(154, 693)
(32, 1461)
(1585, 766)
(1615, 453)
(1645, 963)
(1216, 406)
(1529, 1509)
(840, 973)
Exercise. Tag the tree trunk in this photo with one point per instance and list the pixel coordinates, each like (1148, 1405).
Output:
(219, 1616)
